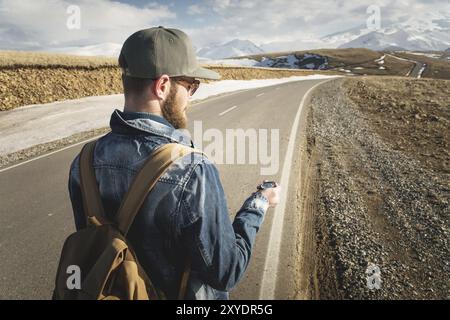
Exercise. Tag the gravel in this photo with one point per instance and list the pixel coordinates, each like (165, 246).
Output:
(377, 206)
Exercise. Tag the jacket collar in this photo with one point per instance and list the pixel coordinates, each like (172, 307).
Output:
(147, 123)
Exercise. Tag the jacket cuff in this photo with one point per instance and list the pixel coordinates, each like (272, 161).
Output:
(257, 201)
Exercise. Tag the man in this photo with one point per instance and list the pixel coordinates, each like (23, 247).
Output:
(185, 217)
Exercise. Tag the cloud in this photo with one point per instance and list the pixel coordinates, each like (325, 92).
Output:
(221, 4)
(32, 24)
(195, 9)
(263, 21)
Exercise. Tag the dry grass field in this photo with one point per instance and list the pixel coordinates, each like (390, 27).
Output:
(436, 68)
(15, 59)
(33, 78)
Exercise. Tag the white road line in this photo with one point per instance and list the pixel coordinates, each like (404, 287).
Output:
(277, 88)
(270, 273)
(258, 95)
(219, 96)
(228, 110)
(73, 145)
(49, 154)
(424, 65)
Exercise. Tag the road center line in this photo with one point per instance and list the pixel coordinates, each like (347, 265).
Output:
(228, 110)
(270, 272)
(258, 95)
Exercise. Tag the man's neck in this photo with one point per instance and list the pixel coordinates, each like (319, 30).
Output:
(135, 106)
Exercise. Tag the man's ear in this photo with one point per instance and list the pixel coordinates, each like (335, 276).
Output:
(161, 87)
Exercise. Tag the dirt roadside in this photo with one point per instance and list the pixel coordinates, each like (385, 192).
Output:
(376, 190)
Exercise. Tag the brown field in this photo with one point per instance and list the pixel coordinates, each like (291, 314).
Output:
(410, 115)
(33, 78)
(247, 73)
(35, 85)
(14, 59)
(436, 68)
(350, 59)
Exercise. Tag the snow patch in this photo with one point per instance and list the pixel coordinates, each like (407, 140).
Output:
(291, 61)
(429, 55)
(380, 60)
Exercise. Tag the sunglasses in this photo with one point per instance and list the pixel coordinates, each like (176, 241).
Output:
(192, 86)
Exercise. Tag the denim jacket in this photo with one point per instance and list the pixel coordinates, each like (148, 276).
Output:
(185, 215)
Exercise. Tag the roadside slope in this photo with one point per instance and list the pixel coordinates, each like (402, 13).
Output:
(381, 163)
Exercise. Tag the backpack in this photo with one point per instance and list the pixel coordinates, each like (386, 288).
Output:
(98, 262)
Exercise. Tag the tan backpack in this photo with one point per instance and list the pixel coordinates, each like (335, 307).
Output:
(98, 262)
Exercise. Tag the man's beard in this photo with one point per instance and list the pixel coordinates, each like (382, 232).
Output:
(171, 113)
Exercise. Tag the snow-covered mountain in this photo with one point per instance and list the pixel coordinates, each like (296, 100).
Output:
(108, 49)
(340, 38)
(428, 32)
(234, 48)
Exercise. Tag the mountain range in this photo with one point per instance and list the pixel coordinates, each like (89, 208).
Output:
(234, 48)
(107, 49)
(430, 32)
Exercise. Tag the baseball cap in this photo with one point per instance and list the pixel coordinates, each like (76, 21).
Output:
(150, 53)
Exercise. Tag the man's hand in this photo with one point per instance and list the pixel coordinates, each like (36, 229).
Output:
(272, 194)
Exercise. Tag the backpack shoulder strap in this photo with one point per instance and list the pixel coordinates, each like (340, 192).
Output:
(92, 203)
(157, 163)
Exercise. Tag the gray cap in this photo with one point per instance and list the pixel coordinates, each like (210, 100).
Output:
(152, 52)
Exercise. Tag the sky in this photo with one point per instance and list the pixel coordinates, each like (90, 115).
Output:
(43, 24)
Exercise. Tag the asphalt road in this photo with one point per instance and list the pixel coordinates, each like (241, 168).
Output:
(416, 70)
(35, 210)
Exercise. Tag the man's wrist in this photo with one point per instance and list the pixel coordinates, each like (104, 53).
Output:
(259, 201)
(259, 195)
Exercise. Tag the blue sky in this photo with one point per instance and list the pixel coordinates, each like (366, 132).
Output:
(41, 24)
